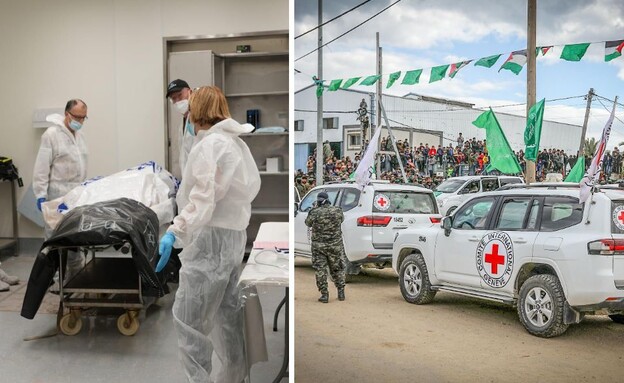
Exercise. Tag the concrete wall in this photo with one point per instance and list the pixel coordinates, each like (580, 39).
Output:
(110, 54)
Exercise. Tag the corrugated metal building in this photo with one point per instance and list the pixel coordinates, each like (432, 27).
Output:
(415, 117)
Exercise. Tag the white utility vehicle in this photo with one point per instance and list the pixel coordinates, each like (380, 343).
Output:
(454, 191)
(372, 218)
(534, 247)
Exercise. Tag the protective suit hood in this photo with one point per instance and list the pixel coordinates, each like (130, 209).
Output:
(228, 126)
(56, 119)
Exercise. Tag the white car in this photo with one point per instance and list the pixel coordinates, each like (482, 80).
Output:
(533, 247)
(372, 218)
(454, 191)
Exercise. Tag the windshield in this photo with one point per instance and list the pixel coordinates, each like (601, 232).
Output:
(450, 186)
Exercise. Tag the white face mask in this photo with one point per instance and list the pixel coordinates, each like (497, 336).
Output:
(181, 106)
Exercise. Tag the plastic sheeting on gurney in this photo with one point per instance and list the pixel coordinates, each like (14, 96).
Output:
(147, 183)
(103, 223)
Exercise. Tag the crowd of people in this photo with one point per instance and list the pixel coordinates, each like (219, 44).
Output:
(429, 165)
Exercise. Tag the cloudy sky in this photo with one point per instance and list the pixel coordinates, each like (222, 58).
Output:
(419, 34)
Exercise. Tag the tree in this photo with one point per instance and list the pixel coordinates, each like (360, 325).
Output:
(590, 146)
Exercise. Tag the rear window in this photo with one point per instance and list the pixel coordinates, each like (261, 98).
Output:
(404, 202)
(310, 199)
(561, 212)
(449, 186)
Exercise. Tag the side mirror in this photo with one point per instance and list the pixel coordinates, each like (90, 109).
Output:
(462, 191)
(447, 222)
(296, 208)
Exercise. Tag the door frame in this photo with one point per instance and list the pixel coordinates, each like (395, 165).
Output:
(168, 43)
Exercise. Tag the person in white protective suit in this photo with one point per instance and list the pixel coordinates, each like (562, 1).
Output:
(61, 163)
(179, 92)
(214, 202)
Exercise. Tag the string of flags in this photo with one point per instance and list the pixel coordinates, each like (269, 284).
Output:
(514, 63)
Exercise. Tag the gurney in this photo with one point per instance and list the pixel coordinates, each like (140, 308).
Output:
(105, 282)
(119, 240)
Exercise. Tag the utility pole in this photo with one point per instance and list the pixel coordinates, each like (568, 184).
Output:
(581, 151)
(379, 60)
(531, 45)
(319, 101)
(363, 118)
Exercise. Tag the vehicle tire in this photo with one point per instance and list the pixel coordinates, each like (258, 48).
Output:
(540, 306)
(617, 318)
(414, 280)
(451, 210)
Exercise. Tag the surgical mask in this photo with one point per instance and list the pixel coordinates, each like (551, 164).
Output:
(181, 106)
(75, 125)
(190, 127)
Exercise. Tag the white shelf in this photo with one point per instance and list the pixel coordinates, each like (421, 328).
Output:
(269, 211)
(252, 54)
(256, 94)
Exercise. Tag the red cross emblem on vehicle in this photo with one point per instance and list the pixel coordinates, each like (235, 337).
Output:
(494, 259)
(382, 202)
(618, 217)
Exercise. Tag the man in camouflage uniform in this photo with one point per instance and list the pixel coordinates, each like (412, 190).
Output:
(327, 247)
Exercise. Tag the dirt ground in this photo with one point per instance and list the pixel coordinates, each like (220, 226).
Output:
(376, 336)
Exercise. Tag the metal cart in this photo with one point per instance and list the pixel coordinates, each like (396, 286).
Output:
(109, 280)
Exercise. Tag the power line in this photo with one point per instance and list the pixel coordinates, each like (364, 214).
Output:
(524, 103)
(607, 109)
(329, 21)
(608, 99)
(350, 30)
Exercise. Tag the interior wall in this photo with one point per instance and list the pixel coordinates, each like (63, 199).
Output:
(110, 54)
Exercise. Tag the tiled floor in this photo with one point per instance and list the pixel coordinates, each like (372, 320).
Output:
(99, 353)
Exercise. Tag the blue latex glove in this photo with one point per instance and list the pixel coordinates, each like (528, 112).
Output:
(164, 249)
(39, 202)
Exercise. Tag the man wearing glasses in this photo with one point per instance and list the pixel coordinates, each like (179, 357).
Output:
(61, 162)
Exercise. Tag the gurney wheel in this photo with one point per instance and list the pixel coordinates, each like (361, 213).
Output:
(128, 323)
(71, 324)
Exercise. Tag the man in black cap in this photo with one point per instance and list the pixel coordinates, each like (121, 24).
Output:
(179, 92)
(327, 247)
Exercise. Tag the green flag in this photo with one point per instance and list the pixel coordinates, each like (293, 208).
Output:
(533, 130)
(577, 172)
(319, 86)
(334, 85)
(489, 61)
(347, 84)
(412, 77)
(370, 80)
(501, 155)
(574, 52)
(393, 77)
(438, 73)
